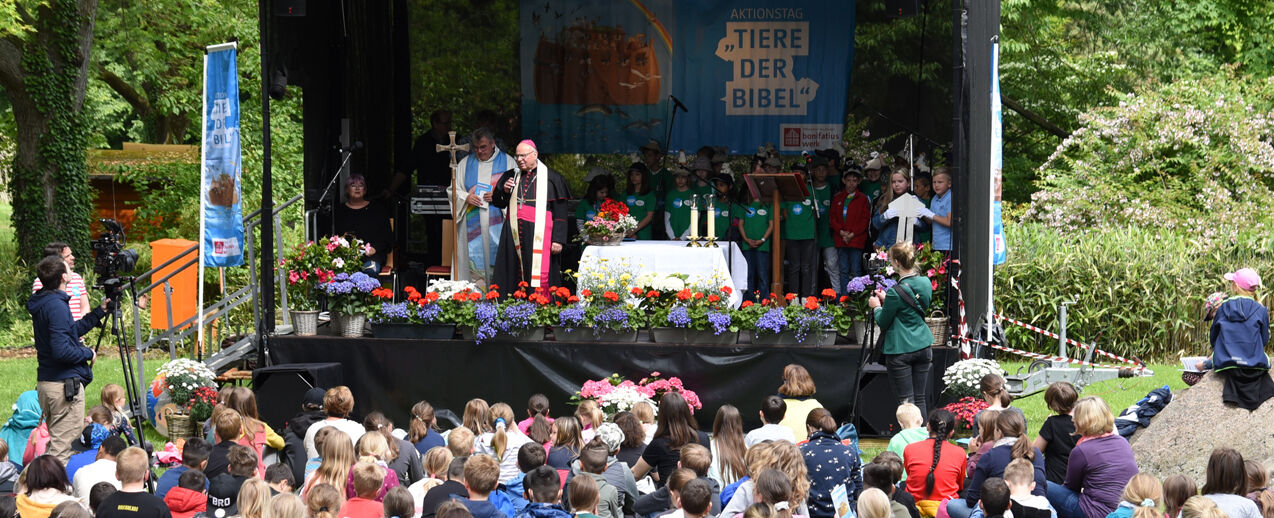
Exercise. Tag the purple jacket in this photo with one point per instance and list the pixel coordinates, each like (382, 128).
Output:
(1098, 470)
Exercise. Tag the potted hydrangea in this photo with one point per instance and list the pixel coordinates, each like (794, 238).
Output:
(350, 296)
(308, 266)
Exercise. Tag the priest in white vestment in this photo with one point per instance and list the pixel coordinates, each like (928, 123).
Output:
(480, 223)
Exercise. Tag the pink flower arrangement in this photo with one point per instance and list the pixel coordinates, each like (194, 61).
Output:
(615, 394)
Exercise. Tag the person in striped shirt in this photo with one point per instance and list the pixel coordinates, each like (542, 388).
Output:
(80, 305)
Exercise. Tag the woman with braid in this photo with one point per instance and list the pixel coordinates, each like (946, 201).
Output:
(935, 467)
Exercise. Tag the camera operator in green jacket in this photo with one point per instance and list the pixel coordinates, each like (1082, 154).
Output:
(900, 313)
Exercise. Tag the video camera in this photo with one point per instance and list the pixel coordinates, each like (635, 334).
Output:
(111, 259)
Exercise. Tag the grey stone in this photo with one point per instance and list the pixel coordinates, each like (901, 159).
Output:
(1180, 439)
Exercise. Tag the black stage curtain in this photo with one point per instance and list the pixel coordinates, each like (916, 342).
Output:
(391, 375)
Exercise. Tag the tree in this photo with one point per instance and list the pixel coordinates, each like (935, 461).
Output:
(44, 61)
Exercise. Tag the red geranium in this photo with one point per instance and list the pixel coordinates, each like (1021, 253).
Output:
(611, 296)
(811, 303)
(728, 290)
(713, 298)
(746, 304)
(698, 295)
(652, 294)
(789, 297)
(585, 293)
(683, 295)
(636, 291)
(829, 293)
(492, 295)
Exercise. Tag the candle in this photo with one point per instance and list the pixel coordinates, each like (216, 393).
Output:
(694, 217)
(712, 219)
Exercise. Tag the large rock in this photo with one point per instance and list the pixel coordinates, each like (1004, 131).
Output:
(1182, 436)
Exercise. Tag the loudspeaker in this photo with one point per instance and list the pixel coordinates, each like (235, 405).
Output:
(902, 8)
(876, 407)
(280, 388)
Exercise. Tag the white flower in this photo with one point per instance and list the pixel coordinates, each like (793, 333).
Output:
(338, 262)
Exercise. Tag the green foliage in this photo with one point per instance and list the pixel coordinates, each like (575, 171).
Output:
(50, 194)
(1193, 155)
(465, 58)
(1061, 59)
(1140, 287)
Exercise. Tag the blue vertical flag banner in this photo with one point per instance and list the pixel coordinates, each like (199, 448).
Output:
(1000, 252)
(599, 77)
(221, 161)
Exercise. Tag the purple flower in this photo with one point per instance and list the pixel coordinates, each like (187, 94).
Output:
(571, 318)
(679, 317)
(614, 318)
(428, 312)
(858, 284)
(773, 321)
(363, 282)
(720, 322)
(390, 312)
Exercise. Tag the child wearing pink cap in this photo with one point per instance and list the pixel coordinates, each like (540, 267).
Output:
(1240, 330)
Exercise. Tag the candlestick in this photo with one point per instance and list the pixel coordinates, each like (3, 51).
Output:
(712, 217)
(694, 217)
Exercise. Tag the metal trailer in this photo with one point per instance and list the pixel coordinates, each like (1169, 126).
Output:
(1040, 373)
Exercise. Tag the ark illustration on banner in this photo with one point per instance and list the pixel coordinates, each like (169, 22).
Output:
(596, 65)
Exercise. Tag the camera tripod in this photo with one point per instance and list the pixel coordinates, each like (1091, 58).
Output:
(867, 350)
(114, 315)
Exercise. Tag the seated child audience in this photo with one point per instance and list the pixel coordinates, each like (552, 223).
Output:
(190, 496)
(115, 401)
(1019, 475)
(584, 497)
(454, 486)
(280, 478)
(593, 465)
(132, 467)
(97, 495)
(254, 498)
(288, 505)
(880, 476)
(872, 503)
(101, 470)
(665, 499)
(436, 461)
(695, 498)
(194, 456)
(368, 478)
(772, 410)
(913, 430)
(324, 501)
(995, 498)
(1057, 435)
(896, 470)
(698, 460)
(481, 474)
(223, 489)
(374, 448)
(398, 503)
(8, 470)
(935, 466)
(543, 488)
(1176, 490)
(1141, 498)
(226, 429)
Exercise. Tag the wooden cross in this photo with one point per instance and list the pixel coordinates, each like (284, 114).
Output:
(908, 208)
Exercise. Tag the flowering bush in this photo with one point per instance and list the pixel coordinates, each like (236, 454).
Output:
(351, 294)
(615, 394)
(182, 377)
(612, 219)
(933, 265)
(965, 409)
(201, 403)
(963, 378)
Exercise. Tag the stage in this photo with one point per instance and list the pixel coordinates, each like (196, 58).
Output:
(390, 375)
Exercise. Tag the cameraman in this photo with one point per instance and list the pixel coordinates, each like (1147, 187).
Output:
(64, 363)
(900, 313)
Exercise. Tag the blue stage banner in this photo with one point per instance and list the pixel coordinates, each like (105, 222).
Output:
(598, 77)
(221, 160)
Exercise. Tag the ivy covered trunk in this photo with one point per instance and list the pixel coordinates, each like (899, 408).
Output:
(44, 72)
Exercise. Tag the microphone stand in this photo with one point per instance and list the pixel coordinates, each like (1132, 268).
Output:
(673, 119)
(323, 198)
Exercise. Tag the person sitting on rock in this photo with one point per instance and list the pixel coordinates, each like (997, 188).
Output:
(1240, 330)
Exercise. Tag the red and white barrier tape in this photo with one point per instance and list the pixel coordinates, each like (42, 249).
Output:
(1071, 341)
(1045, 357)
(965, 352)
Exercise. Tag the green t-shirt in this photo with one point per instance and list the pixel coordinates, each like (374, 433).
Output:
(678, 209)
(798, 220)
(639, 205)
(823, 231)
(722, 212)
(926, 236)
(585, 210)
(871, 189)
(756, 218)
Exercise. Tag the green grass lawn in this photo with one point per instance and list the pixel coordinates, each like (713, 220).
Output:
(17, 375)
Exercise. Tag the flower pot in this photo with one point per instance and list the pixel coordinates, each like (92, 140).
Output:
(535, 334)
(859, 332)
(938, 326)
(350, 326)
(304, 323)
(180, 426)
(816, 337)
(605, 239)
(586, 334)
(414, 331)
(677, 335)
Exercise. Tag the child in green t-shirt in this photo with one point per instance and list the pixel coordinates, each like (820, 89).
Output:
(800, 249)
(756, 226)
(823, 193)
(677, 206)
(723, 207)
(640, 198)
(599, 189)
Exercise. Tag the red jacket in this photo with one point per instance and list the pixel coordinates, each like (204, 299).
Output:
(853, 218)
(185, 503)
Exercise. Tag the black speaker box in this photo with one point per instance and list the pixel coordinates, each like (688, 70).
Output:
(877, 408)
(279, 388)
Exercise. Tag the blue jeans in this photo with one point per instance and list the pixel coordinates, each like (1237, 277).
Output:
(851, 266)
(1065, 501)
(958, 508)
(758, 275)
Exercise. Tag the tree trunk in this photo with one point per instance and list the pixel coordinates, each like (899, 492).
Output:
(44, 74)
